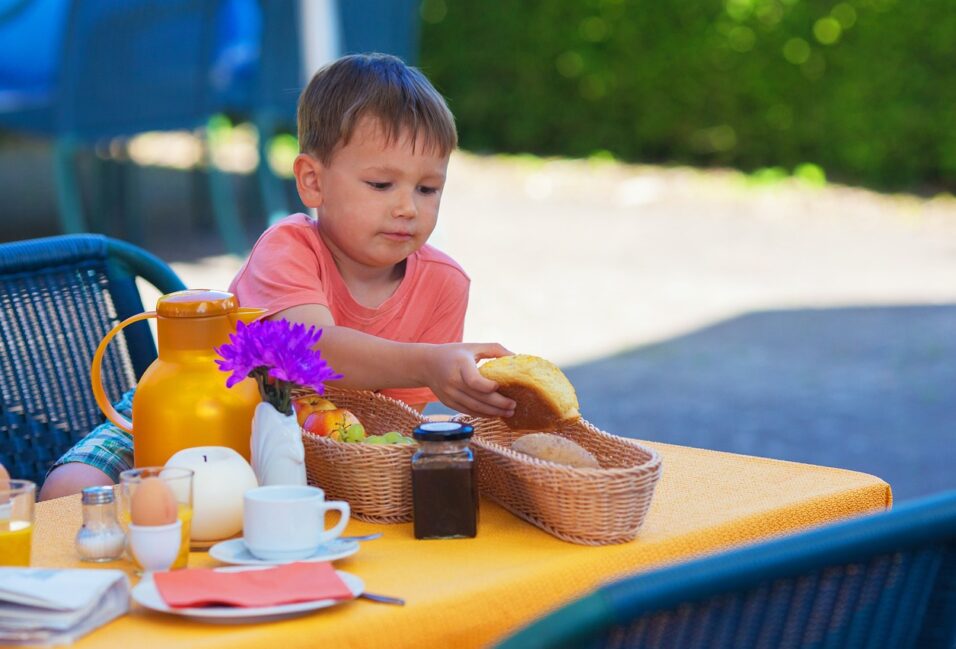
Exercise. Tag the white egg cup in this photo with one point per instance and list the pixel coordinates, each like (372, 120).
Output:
(5, 509)
(155, 547)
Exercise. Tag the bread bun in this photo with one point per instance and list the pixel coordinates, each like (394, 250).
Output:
(543, 395)
(554, 448)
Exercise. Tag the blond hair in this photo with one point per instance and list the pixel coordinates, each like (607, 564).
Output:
(381, 86)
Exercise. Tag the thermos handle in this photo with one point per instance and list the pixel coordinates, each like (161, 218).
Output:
(96, 377)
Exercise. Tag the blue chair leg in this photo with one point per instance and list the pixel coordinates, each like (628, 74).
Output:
(68, 194)
(100, 192)
(270, 186)
(225, 211)
(130, 206)
(106, 189)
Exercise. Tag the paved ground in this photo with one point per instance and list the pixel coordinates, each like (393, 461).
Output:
(816, 325)
(810, 325)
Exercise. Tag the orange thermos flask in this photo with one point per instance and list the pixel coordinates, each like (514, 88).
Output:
(182, 399)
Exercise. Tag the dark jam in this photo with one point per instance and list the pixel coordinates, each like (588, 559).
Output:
(445, 500)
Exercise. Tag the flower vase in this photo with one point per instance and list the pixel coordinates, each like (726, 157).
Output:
(278, 456)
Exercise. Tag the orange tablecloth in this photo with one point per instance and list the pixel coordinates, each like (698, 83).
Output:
(468, 593)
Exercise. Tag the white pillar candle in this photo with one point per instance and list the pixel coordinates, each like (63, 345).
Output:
(221, 477)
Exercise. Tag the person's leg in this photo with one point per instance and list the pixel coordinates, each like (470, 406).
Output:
(71, 478)
(97, 459)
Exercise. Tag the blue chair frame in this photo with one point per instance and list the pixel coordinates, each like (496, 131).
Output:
(134, 66)
(58, 297)
(277, 85)
(885, 580)
(123, 68)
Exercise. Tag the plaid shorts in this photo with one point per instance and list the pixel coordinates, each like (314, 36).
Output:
(107, 448)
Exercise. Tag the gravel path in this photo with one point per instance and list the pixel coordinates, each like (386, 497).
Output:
(815, 325)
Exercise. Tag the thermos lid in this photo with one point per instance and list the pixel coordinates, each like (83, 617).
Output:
(196, 303)
(442, 431)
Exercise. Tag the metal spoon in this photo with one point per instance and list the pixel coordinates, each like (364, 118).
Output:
(364, 537)
(383, 599)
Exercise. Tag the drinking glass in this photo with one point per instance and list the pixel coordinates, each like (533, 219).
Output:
(16, 521)
(180, 482)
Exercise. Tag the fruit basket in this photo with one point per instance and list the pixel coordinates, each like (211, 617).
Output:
(585, 506)
(374, 479)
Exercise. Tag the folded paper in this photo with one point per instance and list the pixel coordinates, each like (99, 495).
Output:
(273, 586)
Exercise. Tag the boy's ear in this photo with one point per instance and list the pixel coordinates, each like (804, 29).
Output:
(308, 179)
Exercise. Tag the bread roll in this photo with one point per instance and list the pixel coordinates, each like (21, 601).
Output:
(543, 394)
(554, 448)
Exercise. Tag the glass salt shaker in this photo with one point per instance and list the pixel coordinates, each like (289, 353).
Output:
(100, 538)
(444, 485)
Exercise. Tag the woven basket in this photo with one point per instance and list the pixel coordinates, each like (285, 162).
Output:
(586, 506)
(374, 479)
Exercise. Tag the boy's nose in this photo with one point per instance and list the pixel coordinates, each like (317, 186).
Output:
(405, 207)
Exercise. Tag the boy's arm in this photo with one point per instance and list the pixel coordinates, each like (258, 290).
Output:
(372, 363)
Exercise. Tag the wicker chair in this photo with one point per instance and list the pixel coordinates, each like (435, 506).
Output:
(58, 297)
(886, 580)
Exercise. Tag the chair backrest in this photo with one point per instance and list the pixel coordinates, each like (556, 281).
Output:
(388, 26)
(100, 68)
(136, 65)
(886, 580)
(31, 32)
(58, 297)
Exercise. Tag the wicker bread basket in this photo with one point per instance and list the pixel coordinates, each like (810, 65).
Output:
(374, 479)
(586, 506)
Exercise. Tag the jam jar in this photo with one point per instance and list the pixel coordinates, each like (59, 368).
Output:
(444, 482)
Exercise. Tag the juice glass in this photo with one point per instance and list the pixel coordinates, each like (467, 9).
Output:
(180, 482)
(16, 521)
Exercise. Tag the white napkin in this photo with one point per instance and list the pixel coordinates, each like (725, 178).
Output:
(50, 606)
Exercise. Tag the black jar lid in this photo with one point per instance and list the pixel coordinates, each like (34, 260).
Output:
(442, 431)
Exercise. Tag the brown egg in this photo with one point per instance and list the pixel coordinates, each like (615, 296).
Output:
(153, 503)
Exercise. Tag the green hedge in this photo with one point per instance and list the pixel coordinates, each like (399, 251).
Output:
(864, 88)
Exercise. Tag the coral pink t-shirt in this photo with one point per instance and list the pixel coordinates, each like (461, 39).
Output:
(291, 266)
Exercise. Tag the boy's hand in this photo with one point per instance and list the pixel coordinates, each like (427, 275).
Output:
(451, 371)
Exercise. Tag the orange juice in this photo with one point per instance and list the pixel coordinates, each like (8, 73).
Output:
(15, 543)
(186, 516)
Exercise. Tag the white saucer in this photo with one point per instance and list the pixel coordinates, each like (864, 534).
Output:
(235, 551)
(146, 594)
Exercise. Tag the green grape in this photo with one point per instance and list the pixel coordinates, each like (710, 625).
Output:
(354, 433)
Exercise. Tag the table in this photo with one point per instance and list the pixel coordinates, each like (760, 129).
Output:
(471, 592)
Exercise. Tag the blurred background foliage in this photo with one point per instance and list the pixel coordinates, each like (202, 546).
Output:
(861, 90)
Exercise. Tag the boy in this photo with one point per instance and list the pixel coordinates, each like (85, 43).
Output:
(375, 138)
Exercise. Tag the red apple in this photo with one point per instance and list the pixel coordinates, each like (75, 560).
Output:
(330, 423)
(305, 406)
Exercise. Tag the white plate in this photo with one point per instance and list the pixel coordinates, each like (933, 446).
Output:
(146, 594)
(235, 551)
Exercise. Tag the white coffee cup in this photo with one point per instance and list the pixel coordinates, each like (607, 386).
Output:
(287, 522)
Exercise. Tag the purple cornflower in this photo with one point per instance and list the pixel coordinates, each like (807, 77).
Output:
(278, 354)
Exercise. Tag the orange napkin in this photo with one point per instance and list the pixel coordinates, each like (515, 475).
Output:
(286, 584)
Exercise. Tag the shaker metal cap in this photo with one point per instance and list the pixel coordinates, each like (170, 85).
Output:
(98, 495)
(441, 431)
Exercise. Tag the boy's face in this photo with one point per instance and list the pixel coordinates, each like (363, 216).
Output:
(377, 201)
